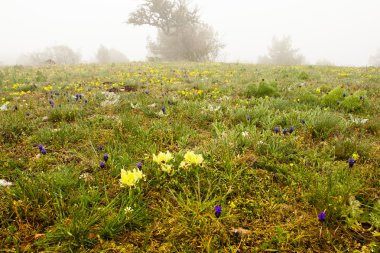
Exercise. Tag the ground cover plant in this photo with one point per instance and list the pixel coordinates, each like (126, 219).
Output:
(155, 157)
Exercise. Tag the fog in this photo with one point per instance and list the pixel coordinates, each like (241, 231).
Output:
(344, 32)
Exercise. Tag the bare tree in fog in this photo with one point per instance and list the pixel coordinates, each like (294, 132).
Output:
(282, 52)
(181, 34)
(374, 60)
(52, 55)
(105, 55)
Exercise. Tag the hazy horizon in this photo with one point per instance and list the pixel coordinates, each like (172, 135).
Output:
(342, 32)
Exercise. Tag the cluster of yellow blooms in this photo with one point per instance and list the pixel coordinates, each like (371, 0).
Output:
(130, 178)
(163, 159)
(190, 159)
(186, 92)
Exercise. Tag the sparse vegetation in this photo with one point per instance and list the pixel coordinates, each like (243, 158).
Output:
(154, 157)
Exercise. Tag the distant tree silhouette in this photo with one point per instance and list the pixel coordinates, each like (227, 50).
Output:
(105, 55)
(374, 60)
(181, 34)
(281, 52)
(53, 55)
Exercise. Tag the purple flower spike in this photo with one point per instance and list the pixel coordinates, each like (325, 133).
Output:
(284, 131)
(322, 217)
(105, 157)
(102, 165)
(40, 146)
(163, 109)
(43, 151)
(218, 211)
(147, 92)
(51, 102)
(100, 147)
(291, 129)
(139, 165)
(303, 121)
(248, 118)
(351, 162)
(276, 130)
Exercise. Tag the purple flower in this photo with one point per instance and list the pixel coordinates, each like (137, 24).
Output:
(102, 164)
(40, 146)
(43, 151)
(284, 131)
(322, 217)
(57, 93)
(147, 92)
(276, 129)
(100, 147)
(105, 157)
(139, 165)
(163, 109)
(218, 211)
(248, 118)
(291, 129)
(51, 102)
(303, 121)
(78, 96)
(351, 162)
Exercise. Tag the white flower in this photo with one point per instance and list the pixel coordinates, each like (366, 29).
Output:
(128, 209)
(135, 106)
(358, 120)
(4, 182)
(245, 134)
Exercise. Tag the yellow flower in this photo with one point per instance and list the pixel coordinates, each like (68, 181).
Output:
(232, 205)
(355, 156)
(166, 167)
(162, 157)
(191, 158)
(130, 178)
(48, 88)
(318, 90)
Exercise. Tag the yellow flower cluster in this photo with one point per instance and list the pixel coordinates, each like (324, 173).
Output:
(186, 92)
(163, 159)
(190, 159)
(48, 88)
(130, 178)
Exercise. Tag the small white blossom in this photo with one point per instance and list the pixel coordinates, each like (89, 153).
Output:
(245, 134)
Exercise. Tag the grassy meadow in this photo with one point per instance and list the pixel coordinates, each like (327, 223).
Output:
(185, 157)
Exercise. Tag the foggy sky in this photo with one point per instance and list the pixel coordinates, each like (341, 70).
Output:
(345, 32)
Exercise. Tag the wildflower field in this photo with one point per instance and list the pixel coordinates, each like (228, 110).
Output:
(156, 157)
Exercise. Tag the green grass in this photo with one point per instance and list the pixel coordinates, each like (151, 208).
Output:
(271, 186)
